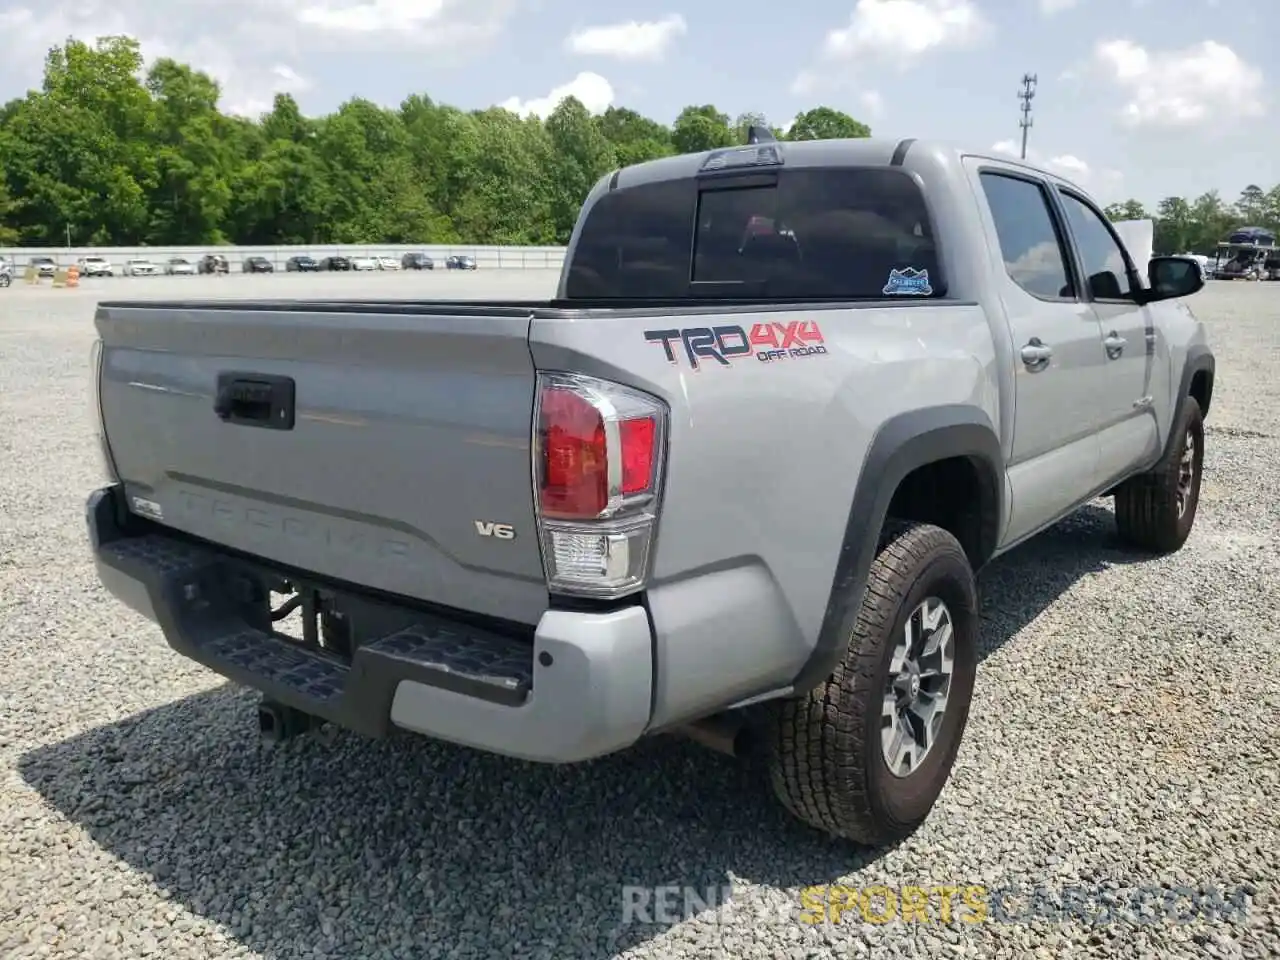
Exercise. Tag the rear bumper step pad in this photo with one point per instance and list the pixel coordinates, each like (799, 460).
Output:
(184, 589)
(582, 688)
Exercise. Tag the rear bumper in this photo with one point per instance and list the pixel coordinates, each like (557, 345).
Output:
(581, 689)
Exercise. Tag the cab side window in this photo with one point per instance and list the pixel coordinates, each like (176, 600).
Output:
(1101, 256)
(1029, 241)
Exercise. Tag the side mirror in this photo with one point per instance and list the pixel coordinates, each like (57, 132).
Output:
(1172, 277)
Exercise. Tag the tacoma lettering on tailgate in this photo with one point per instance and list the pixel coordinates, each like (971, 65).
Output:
(334, 535)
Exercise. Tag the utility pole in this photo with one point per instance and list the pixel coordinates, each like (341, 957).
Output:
(1028, 91)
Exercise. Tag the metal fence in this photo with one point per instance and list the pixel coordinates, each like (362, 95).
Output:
(505, 258)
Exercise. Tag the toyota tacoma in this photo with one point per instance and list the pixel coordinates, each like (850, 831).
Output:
(734, 481)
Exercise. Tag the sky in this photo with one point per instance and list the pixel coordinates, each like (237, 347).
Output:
(1134, 98)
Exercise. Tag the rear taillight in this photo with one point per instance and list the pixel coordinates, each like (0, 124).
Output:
(598, 450)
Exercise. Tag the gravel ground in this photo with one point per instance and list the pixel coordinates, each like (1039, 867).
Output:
(1122, 737)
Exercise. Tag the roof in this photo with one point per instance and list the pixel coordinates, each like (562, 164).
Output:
(870, 151)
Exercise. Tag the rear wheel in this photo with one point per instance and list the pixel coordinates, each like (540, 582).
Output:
(866, 754)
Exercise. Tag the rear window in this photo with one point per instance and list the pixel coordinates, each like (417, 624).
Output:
(843, 233)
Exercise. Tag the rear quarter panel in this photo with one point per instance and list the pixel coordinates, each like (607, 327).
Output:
(763, 461)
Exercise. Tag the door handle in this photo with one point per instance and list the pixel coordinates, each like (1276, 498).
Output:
(1114, 344)
(255, 400)
(1036, 355)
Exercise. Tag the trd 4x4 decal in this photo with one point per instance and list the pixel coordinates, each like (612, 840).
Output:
(767, 342)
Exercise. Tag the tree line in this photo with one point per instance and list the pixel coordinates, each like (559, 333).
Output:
(106, 153)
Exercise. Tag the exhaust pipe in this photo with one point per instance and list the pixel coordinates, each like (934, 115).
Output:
(723, 733)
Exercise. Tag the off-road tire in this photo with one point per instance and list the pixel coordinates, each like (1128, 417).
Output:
(824, 753)
(1147, 505)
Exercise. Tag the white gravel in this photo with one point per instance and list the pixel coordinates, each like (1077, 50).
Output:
(1123, 737)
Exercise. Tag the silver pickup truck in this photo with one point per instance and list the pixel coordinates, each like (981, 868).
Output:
(734, 481)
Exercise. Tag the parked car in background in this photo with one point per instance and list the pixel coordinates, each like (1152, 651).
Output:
(179, 266)
(140, 267)
(335, 263)
(460, 263)
(44, 266)
(6, 272)
(417, 261)
(301, 264)
(387, 263)
(95, 267)
(363, 263)
(257, 265)
(214, 263)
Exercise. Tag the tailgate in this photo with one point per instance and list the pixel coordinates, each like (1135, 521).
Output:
(409, 447)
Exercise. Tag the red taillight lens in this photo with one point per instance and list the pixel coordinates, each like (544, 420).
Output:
(598, 461)
(581, 432)
(637, 437)
(575, 461)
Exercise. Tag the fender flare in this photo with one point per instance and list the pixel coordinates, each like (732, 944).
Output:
(1199, 359)
(902, 444)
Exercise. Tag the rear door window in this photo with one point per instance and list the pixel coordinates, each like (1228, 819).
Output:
(841, 233)
(635, 244)
(1029, 240)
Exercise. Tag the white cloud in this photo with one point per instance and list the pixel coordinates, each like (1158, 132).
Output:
(369, 16)
(249, 62)
(283, 79)
(806, 82)
(869, 103)
(633, 40)
(290, 76)
(898, 29)
(1050, 7)
(891, 33)
(435, 24)
(1069, 166)
(1039, 268)
(595, 92)
(246, 41)
(1104, 184)
(1206, 83)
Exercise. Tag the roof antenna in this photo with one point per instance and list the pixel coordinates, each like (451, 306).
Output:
(757, 133)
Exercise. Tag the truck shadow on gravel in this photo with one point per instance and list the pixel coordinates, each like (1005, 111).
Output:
(407, 847)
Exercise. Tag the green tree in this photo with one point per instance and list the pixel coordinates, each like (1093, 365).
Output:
(701, 128)
(742, 126)
(82, 159)
(581, 155)
(8, 208)
(1174, 231)
(635, 138)
(824, 123)
(1252, 205)
(111, 155)
(505, 169)
(194, 164)
(1129, 210)
(1212, 222)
